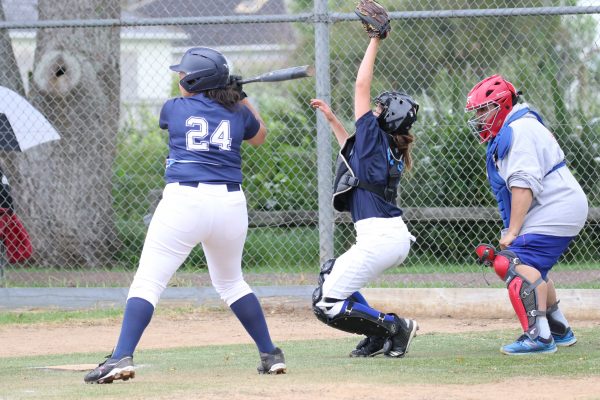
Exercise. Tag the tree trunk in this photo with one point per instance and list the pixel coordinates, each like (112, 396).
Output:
(66, 188)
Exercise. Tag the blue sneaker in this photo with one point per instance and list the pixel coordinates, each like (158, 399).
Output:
(524, 346)
(568, 339)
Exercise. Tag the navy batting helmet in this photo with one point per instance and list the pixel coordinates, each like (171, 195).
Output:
(205, 69)
(399, 111)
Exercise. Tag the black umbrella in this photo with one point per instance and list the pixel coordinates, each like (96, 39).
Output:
(22, 126)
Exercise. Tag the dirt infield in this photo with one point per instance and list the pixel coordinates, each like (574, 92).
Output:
(286, 323)
(217, 327)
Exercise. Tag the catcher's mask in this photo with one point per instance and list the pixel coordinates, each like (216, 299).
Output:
(398, 112)
(204, 69)
(492, 99)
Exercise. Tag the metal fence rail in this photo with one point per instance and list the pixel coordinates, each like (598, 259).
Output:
(99, 75)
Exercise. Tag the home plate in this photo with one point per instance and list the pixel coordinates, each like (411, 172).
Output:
(70, 367)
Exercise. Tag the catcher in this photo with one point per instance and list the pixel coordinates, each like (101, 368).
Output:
(370, 165)
(543, 208)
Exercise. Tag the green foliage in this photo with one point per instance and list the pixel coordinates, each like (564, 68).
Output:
(139, 165)
(551, 58)
(137, 181)
(276, 173)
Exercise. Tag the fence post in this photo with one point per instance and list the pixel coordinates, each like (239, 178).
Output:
(324, 161)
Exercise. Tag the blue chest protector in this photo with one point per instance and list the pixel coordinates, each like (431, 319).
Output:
(497, 149)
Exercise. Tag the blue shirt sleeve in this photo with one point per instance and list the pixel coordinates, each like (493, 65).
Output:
(368, 137)
(251, 124)
(163, 121)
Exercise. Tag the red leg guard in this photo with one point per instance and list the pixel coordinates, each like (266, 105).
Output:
(502, 263)
(521, 292)
(523, 296)
(514, 294)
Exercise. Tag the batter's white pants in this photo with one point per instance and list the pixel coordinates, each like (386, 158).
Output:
(185, 217)
(381, 243)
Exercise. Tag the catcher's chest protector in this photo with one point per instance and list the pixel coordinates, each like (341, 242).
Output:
(345, 179)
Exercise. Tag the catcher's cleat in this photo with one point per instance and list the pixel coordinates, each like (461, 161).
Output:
(524, 345)
(112, 369)
(566, 340)
(272, 363)
(397, 345)
(369, 347)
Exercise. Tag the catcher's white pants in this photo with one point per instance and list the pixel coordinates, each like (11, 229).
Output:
(185, 217)
(381, 243)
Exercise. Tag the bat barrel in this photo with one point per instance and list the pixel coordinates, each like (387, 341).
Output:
(282, 74)
(289, 73)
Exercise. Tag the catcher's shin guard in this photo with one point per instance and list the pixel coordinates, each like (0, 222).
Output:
(362, 323)
(522, 292)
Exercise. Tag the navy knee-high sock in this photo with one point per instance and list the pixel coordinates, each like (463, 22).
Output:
(359, 298)
(250, 313)
(138, 313)
(369, 310)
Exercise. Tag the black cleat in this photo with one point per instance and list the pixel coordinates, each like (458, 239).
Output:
(112, 369)
(272, 363)
(369, 347)
(397, 345)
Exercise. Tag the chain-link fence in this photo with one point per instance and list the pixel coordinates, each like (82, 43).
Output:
(86, 173)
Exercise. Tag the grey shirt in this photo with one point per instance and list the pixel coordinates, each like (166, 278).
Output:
(559, 206)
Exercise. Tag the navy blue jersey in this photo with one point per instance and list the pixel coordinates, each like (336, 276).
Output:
(369, 161)
(205, 139)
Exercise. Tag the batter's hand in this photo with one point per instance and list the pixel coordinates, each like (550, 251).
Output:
(506, 240)
(234, 81)
(320, 105)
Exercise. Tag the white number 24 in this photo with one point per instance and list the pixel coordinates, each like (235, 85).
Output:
(196, 137)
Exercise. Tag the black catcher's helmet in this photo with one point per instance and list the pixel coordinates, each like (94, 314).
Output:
(205, 69)
(399, 112)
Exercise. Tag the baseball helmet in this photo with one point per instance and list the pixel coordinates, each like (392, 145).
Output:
(205, 69)
(399, 112)
(499, 95)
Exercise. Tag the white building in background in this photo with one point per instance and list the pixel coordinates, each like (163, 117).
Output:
(148, 51)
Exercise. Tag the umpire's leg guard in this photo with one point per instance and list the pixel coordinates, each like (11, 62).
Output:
(522, 292)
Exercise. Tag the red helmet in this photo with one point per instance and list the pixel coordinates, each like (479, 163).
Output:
(497, 95)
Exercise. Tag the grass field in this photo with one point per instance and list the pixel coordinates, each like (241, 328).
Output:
(316, 367)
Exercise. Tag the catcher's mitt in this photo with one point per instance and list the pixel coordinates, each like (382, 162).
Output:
(374, 18)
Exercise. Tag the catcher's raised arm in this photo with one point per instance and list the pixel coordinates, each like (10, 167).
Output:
(374, 18)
